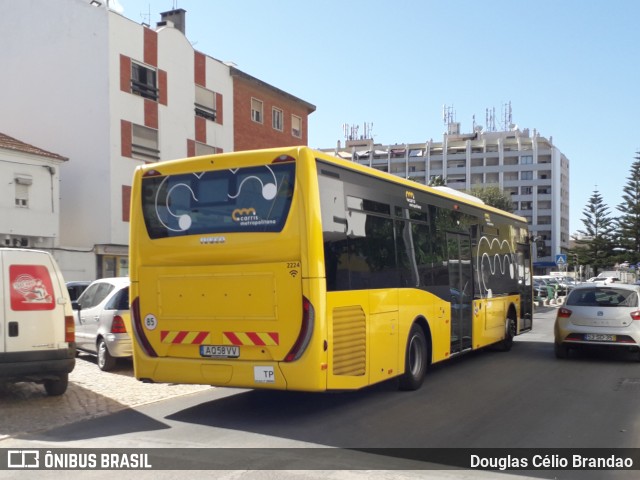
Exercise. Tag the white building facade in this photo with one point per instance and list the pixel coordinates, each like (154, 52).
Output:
(30, 195)
(109, 94)
(527, 166)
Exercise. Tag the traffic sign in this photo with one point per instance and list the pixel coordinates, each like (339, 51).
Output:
(561, 259)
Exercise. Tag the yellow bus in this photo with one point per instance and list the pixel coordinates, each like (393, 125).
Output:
(292, 269)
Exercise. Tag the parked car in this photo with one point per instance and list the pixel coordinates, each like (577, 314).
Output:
(568, 283)
(101, 314)
(552, 282)
(37, 342)
(598, 314)
(540, 288)
(76, 288)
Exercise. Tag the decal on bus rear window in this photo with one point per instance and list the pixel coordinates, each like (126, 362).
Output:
(252, 199)
(31, 288)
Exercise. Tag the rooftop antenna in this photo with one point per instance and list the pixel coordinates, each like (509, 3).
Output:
(448, 114)
(146, 17)
(490, 119)
(350, 131)
(368, 130)
(507, 116)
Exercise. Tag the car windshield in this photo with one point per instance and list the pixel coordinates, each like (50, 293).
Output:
(602, 297)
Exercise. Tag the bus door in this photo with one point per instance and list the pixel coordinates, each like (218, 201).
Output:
(525, 287)
(461, 288)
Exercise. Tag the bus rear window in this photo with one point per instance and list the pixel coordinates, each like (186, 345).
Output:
(252, 199)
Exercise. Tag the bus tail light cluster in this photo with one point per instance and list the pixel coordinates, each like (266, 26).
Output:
(306, 330)
(138, 331)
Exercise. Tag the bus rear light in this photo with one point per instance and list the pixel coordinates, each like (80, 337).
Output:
(117, 325)
(152, 173)
(306, 330)
(284, 159)
(564, 312)
(138, 331)
(69, 329)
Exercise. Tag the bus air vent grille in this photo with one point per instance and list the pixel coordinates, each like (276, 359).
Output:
(349, 341)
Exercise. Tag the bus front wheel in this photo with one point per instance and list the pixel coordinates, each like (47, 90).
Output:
(416, 360)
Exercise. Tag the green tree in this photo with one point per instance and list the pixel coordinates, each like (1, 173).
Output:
(629, 221)
(494, 197)
(596, 245)
(437, 181)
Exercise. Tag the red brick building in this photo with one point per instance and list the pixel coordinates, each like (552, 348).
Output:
(265, 116)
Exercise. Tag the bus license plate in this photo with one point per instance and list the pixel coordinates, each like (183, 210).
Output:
(219, 351)
(599, 337)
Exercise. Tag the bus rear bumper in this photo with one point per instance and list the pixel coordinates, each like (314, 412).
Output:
(266, 375)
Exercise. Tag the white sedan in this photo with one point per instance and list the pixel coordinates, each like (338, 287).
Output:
(598, 314)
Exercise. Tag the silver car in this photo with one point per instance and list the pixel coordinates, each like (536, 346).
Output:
(597, 314)
(102, 317)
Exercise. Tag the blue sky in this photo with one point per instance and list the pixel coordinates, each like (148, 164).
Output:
(570, 69)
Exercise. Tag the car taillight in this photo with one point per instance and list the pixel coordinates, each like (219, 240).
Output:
(635, 315)
(564, 312)
(306, 329)
(117, 326)
(138, 331)
(69, 329)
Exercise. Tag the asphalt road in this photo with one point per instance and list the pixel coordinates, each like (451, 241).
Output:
(525, 398)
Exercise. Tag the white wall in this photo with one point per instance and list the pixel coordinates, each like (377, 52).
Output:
(42, 216)
(60, 90)
(56, 100)
(219, 80)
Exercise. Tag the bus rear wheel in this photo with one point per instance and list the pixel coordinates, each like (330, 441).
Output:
(416, 360)
(510, 332)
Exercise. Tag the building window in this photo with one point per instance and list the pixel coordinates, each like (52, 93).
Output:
(527, 190)
(296, 126)
(256, 110)
(526, 159)
(143, 81)
(144, 143)
(205, 104)
(204, 149)
(22, 183)
(528, 175)
(114, 266)
(277, 119)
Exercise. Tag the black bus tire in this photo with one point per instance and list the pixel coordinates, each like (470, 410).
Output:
(416, 360)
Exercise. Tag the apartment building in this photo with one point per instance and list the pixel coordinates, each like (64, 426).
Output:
(522, 163)
(109, 94)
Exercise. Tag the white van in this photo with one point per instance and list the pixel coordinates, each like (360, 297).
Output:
(37, 333)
